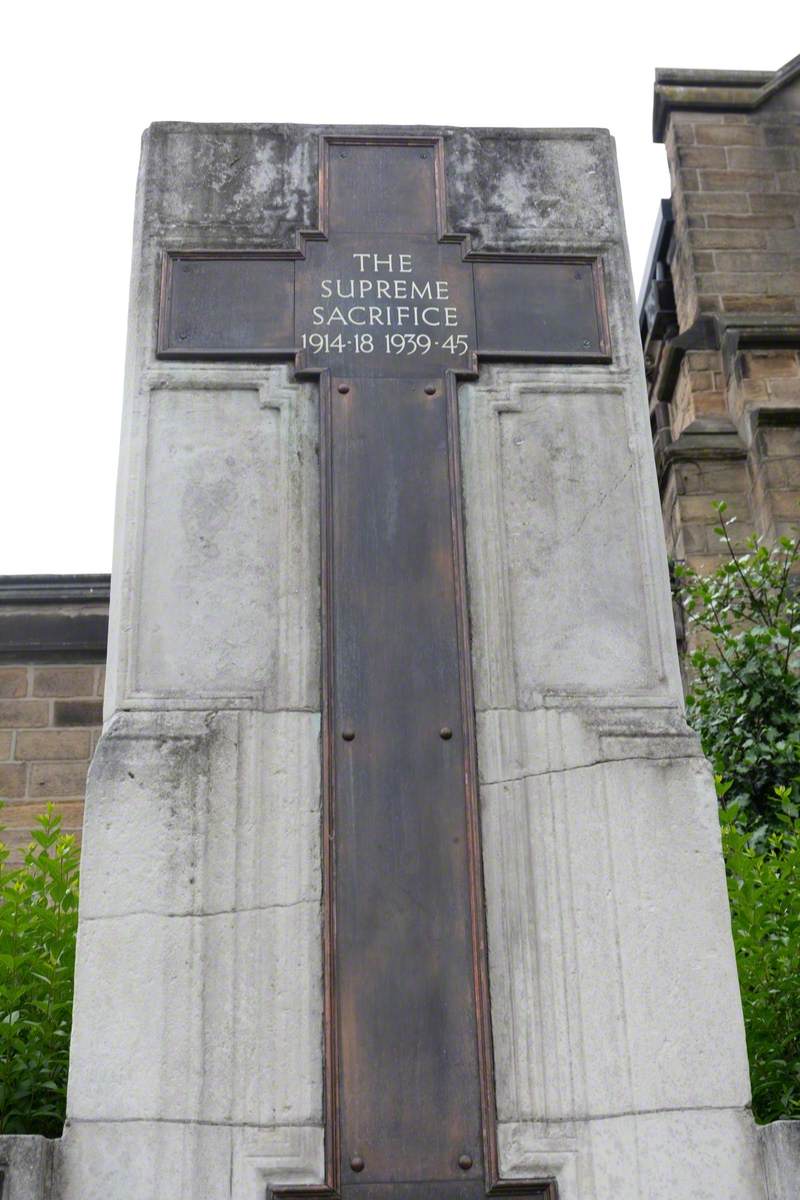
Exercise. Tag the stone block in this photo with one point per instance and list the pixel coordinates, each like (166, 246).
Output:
(143, 1160)
(265, 1157)
(717, 480)
(705, 1155)
(702, 156)
(717, 202)
(786, 504)
(680, 130)
(699, 380)
(21, 817)
(780, 1149)
(751, 221)
(49, 744)
(784, 239)
(702, 360)
(750, 391)
(686, 179)
(24, 714)
(25, 1167)
(705, 403)
(771, 364)
(201, 813)
(790, 473)
(705, 564)
(729, 239)
(758, 304)
(751, 283)
(63, 681)
(13, 682)
(77, 712)
(699, 508)
(725, 135)
(760, 158)
(50, 779)
(199, 1019)
(696, 538)
(6, 737)
(774, 204)
(707, 302)
(106, 1160)
(743, 260)
(785, 391)
(596, 941)
(781, 441)
(12, 780)
(781, 135)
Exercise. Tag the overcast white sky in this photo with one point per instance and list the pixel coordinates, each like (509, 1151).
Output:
(83, 80)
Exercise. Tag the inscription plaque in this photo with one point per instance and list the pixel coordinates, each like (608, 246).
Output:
(388, 309)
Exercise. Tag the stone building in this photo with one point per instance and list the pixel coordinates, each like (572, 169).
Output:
(53, 632)
(720, 306)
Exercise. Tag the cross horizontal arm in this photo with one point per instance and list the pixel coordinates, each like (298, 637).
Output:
(231, 304)
(537, 308)
(227, 304)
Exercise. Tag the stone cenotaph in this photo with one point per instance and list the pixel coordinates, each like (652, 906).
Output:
(401, 872)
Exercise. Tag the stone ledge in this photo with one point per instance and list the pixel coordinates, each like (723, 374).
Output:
(715, 91)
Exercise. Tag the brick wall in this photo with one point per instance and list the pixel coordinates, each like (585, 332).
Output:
(50, 711)
(50, 718)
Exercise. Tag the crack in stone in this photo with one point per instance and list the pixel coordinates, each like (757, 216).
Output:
(598, 762)
(221, 912)
(633, 1112)
(600, 502)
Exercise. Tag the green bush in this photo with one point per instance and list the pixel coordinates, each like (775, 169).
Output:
(38, 922)
(744, 695)
(764, 893)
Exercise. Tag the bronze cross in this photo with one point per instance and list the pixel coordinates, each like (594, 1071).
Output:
(387, 308)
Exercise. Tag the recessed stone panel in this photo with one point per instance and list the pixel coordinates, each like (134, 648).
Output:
(211, 544)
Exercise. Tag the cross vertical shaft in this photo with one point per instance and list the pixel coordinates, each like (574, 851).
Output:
(409, 1089)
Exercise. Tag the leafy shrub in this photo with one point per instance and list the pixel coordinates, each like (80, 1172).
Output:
(744, 701)
(38, 922)
(744, 696)
(764, 893)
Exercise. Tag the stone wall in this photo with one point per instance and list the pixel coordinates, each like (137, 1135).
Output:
(720, 311)
(735, 187)
(52, 674)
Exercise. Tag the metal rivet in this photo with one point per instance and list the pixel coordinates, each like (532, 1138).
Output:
(586, 343)
(356, 1163)
(342, 154)
(348, 733)
(423, 155)
(344, 388)
(445, 733)
(465, 1162)
(430, 390)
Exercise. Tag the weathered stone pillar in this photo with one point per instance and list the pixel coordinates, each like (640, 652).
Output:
(198, 1065)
